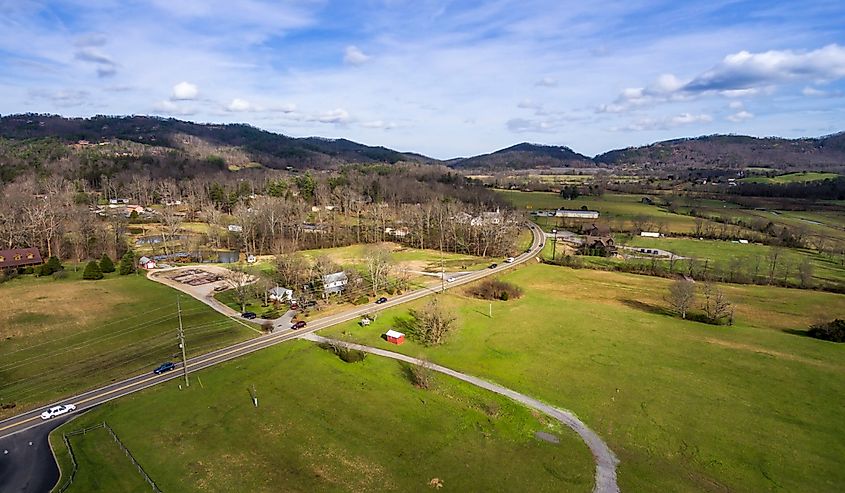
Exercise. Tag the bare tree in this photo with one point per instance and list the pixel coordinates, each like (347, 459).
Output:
(805, 272)
(431, 324)
(716, 305)
(239, 280)
(681, 296)
(379, 264)
(773, 256)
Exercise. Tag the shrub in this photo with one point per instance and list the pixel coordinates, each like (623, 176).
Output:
(345, 353)
(106, 265)
(31, 270)
(53, 265)
(92, 271)
(59, 275)
(830, 331)
(422, 376)
(127, 263)
(362, 300)
(267, 326)
(494, 289)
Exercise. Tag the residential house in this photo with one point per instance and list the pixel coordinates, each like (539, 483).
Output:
(334, 283)
(281, 295)
(19, 257)
(598, 246)
(597, 230)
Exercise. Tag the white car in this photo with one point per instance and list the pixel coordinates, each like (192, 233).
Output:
(57, 411)
(509, 260)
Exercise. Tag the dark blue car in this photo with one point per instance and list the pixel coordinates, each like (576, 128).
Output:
(164, 367)
(248, 315)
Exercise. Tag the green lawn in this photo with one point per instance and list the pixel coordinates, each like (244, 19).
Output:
(59, 337)
(326, 425)
(102, 464)
(800, 177)
(827, 269)
(686, 406)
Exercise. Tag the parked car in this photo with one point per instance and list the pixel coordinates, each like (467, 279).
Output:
(248, 315)
(57, 411)
(381, 300)
(298, 325)
(493, 266)
(220, 288)
(164, 367)
(509, 260)
(294, 306)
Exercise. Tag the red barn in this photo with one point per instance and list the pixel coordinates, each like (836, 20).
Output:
(395, 337)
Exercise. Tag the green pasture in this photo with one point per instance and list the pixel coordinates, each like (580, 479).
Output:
(686, 406)
(62, 336)
(326, 425)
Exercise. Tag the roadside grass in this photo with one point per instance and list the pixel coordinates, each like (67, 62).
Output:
(326, 425)
(102, 465)
(63, 336)
(800, 177)
(686, 406)
(826, 268)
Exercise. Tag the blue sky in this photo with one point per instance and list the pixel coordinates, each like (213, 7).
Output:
(444, 78)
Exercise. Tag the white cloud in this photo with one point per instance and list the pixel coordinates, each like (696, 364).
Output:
(354, 56)
(736, 105)
(546, 82)
(184, 91)
(338, 115)
(745, 70)
(522, 125)
(168, 107)
(819, 93)
(741, 116)
(379, 124)
(664, 123)
(239, 104)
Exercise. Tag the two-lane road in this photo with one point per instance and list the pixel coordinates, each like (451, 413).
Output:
(92, 398)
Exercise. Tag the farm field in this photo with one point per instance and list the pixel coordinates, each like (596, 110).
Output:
(827, 269)
(800, 177)
(617, 209)
(404, 257)
(63, 336)
(686, 406)
(326, 425)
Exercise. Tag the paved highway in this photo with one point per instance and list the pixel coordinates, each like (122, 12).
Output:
(92, 398)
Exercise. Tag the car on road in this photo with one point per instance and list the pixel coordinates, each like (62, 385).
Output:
(57, 411)
(451, 279)
(493, 266)
(381, 300)
(298, 325)
(509, 260)
(164, 367)
(248, 315)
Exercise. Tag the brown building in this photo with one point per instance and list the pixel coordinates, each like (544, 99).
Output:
(19, 257)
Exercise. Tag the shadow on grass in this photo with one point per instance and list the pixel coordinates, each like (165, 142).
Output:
(649, 308)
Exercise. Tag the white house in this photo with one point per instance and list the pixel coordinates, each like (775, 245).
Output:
(335, 283)
(649, 234)
(118, 201)
(235, 228)
(281, 294)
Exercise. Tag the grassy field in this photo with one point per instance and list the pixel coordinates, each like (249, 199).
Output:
(103, 465)
(326, 425)
(403, 257)
(619, 210)
(686, 406)
(800, 177)
(827, 269)
(63, 336)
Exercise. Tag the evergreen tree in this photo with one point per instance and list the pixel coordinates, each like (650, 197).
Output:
(92, 271)
(106, 264)
(127, 263)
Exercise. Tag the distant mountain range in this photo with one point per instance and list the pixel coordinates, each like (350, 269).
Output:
(243, 145)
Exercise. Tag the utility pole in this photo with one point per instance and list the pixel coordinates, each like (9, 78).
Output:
(554, 243)
(491, 310)
(182, 342)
